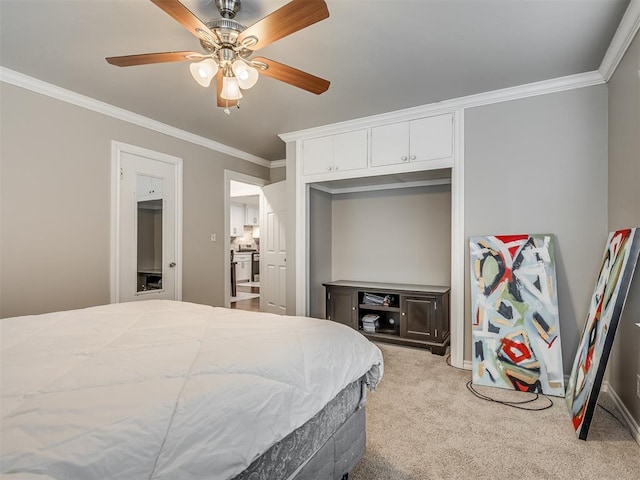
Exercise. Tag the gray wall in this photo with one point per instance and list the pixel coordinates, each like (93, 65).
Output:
(395, 236)
(539, 165)
(55, 205)
(278, 174)
(624, 212)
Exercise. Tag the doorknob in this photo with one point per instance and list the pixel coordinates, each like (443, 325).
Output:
(172, 264)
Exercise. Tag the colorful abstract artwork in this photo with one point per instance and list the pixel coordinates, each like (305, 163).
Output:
(515, 326)
(607, 302)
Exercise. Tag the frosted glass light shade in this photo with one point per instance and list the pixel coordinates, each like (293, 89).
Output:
(204, 71)
(247, 76)
(230, 89)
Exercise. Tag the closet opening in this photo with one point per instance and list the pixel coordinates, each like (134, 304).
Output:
(392, 229)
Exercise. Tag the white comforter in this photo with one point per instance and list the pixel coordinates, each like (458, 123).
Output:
(162, 389)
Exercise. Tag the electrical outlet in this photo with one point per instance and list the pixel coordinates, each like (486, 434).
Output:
(213, 237)
(638, 386)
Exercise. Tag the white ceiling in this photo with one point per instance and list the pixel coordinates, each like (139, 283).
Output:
(380, 56)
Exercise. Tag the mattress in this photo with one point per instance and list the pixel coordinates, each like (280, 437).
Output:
(162, 389)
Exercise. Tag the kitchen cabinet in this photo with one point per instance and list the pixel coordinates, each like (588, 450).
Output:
(236, 224)
(148, 188)
(423, 139)
(335, 153)
(415, 315)
(252, 215)
(243, 266)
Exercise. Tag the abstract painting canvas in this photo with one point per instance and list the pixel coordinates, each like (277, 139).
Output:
(607, 302)
(515, 324)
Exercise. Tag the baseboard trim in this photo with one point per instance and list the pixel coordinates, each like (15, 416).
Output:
(634, 428)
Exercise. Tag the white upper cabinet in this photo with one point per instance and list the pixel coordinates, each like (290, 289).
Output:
(148, 188)
(236, 224)
(335, 153)
(252, 216)
(429, 138)
(390, 144)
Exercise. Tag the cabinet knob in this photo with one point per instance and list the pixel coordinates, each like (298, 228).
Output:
(329, 168)
(403, 314)
(353, 308)
(403, 158)
(412, 157)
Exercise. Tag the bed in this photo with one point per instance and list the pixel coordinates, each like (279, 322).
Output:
(173, 390)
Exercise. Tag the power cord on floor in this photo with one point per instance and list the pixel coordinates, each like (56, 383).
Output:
(612, 414)
(518, 405)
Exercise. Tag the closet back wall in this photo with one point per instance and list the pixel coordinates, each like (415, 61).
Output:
(398, 236)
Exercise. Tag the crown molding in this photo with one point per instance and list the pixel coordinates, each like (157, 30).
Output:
(278, 163)
(544, 87)
(33, 84)
(623, 37)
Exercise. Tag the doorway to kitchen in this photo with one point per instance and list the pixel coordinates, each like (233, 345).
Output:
(242, 286)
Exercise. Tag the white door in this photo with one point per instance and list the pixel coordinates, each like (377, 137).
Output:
(148, 244)
(273, 249)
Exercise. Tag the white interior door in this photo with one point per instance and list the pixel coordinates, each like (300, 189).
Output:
(148, 252)
(273, 249)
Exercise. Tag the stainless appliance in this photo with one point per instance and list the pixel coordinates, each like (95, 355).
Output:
(255, 267)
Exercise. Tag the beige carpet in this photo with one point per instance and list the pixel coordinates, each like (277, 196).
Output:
(423, 423)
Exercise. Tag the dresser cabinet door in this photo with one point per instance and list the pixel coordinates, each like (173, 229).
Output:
(341, 306)
(418, 317)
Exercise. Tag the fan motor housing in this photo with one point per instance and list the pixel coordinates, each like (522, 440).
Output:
(228, 8)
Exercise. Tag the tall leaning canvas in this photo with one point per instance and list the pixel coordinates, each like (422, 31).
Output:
(607, 302)
(515, 324)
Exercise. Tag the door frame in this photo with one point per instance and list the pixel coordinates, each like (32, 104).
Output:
(238, 177)
(117, 149)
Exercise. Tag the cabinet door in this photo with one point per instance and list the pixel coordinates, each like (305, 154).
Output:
(252, 215)
(236, 225)
(341, 306)
(317, 155)
(418, 318)
(350, 150)
(148, 188)
(243, 271)
(390, 144)
(431, 138)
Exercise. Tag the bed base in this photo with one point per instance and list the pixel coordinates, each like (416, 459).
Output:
(327, 447)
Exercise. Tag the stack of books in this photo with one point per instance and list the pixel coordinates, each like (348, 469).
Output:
(370, 323)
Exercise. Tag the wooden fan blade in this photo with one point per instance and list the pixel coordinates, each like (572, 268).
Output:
(293, 76)
(147, 58)
(222, 102)
(288, 19)
(188, 20)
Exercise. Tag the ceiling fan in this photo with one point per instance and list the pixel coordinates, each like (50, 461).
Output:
(228, 46)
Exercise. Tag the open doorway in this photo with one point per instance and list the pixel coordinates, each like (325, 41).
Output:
(244, 238)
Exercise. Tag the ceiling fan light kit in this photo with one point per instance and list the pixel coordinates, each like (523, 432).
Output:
(204, 71)
(228, 46)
